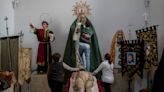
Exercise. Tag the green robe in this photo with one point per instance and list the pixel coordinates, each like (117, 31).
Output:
(70, 57)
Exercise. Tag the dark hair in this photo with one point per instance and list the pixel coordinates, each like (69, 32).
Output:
(56, 57)
(44, 22)
(107, 57)
(88, 23)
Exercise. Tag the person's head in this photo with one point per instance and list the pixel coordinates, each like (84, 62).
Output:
(7, 73)
(88, 24)
(56, 57)
(45, 24)
(107, 57)
(130, 57)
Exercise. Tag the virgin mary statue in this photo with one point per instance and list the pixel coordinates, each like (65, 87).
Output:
(82, 49)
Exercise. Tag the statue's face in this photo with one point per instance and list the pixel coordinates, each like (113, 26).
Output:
(82, 18)
(120, 35)
(130, 58)
(45, 26)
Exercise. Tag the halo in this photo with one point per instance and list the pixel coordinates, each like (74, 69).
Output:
(45, 17)
(81, 8)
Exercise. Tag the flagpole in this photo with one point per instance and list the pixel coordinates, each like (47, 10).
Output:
(146, 17)
(129, 84)
(130, 38)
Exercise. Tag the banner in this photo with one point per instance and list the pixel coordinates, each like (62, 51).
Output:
(149, 35)
(132, 57)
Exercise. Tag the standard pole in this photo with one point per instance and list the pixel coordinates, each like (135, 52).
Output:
(8, 44)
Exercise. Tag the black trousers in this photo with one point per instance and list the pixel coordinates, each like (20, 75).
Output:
(55, 86)
(106, 86)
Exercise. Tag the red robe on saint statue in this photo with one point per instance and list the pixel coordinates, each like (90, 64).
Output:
(44, 49)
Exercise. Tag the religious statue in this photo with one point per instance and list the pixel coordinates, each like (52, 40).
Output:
(115, 48)
(45, 36)
(82, 81)
(82, 48)
(7, 78)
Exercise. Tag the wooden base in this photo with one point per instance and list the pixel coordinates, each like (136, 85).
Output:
(39, 83)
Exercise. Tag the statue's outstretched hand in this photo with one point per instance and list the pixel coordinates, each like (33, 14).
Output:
(52, 37)
(31, 26)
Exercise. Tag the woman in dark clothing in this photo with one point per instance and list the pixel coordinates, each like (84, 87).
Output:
(56, 73)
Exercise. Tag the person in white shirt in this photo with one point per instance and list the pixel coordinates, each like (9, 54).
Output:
(107, 72)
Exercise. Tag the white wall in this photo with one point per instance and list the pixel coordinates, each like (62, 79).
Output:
(6, 9)
(107, 16)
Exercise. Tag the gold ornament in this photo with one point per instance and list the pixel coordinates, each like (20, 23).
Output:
(81, 9)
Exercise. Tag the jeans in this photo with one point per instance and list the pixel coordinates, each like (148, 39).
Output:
(85, 48)
(78, 57)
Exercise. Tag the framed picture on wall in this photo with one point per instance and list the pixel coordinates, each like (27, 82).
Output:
(131, 58)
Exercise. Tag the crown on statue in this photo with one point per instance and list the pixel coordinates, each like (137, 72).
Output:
(81, 8)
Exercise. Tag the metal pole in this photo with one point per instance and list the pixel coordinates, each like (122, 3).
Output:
(8, 44)
(129, 84)
(130, 34)
(147, 7)
(146, 14)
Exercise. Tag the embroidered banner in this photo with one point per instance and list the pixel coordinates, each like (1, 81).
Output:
(132, 57)
(24, 68)
(149, 35)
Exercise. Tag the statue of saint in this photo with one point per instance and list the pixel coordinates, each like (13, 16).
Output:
(45, 36)
(115, 48)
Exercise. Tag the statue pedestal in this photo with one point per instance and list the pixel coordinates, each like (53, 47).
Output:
(39, 83)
